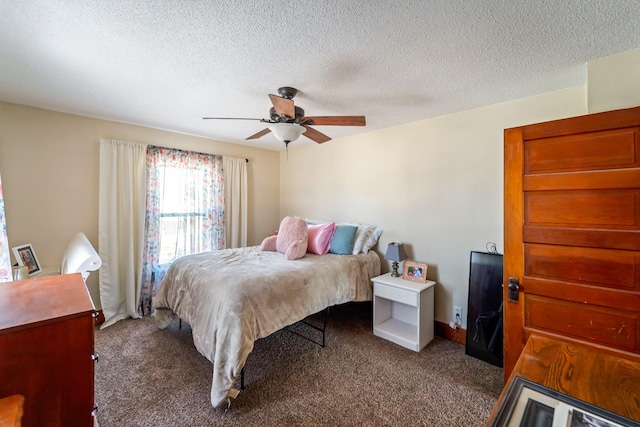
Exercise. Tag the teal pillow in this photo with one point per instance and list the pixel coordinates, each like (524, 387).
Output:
(342, 241)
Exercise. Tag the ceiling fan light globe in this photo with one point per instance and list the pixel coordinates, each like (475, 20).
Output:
(287, 132)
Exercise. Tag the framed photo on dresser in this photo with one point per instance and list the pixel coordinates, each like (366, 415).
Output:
(26, 256)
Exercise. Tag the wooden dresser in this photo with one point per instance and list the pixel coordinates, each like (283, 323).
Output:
(47, 349)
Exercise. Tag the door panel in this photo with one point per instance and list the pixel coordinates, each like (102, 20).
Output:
(619, 178)
(614, 328)
(572, 231)
(583, 294)
(629, 240)
(592, 151)
(598, 267)
(611, 209)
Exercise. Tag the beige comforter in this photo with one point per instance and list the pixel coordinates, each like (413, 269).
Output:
(235, 296)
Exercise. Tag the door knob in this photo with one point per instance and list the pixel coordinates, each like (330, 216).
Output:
(514, 288)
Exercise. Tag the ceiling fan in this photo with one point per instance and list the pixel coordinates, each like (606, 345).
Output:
(287, 121)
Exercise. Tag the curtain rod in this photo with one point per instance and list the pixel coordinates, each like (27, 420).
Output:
(192, 151)
(236, 158)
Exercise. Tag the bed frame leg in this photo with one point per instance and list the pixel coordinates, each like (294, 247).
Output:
(324, 326)
(323, 330)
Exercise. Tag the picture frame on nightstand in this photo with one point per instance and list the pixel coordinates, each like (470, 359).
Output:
(415, 271)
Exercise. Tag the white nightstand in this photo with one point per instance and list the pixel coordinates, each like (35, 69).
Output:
(403, 311)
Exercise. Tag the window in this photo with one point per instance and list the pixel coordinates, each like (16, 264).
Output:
(181, 213)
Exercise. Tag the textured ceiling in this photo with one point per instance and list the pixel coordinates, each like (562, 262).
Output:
(166, 64)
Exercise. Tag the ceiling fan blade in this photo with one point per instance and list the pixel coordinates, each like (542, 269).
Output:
(263, 132)
(283, 106)
(313, 134)
(337, 120)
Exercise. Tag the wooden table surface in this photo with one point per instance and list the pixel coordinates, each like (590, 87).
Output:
(604, 377)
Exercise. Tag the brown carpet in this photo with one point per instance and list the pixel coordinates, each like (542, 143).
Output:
(152, 377)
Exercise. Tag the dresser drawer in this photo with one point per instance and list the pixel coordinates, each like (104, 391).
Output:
(395, 294)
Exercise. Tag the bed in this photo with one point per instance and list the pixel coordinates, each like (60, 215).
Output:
(233, 297)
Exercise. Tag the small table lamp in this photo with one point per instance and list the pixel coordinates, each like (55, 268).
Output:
(395, 253)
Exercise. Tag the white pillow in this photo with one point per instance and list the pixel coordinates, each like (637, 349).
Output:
(373, 239)
(366, 238)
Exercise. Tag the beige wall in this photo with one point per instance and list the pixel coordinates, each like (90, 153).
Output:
(436, 185)
(614, 82)
(50, 162)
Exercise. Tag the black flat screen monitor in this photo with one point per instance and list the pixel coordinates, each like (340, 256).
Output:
(484, 311)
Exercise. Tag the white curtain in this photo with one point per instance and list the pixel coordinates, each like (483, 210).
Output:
(121, 227)
(235, 193)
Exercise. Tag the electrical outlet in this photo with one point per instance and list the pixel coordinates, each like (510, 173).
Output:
(457, 312)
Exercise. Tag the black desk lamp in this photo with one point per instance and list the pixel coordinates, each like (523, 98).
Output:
(395, 253)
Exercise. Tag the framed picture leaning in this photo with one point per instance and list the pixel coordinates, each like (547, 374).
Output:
(26, 256)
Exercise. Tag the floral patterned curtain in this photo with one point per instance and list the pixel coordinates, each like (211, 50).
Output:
(184, 214)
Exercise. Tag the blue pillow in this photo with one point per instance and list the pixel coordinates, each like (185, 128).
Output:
(342, 241)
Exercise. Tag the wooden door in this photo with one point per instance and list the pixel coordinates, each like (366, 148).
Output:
(572, 231)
